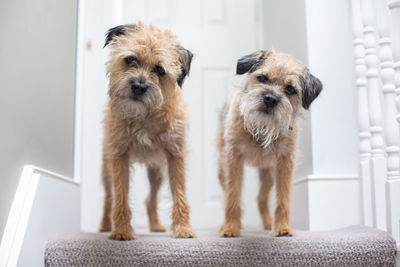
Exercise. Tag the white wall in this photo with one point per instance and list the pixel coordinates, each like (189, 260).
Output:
(37, 65)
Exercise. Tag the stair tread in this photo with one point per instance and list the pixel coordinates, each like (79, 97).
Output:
(350, 246)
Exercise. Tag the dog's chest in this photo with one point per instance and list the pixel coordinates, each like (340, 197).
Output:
(149, 144)
(145, 148)
(256, 156)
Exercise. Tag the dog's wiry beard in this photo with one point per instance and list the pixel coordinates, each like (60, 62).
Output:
(265, 128)
(126, 107)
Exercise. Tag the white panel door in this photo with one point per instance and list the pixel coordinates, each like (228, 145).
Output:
(218, 32)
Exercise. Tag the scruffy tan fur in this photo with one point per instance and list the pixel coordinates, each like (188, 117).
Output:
(263, 137)
(148, 128)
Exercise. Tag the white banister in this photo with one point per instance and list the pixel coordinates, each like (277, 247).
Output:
(393, 183)
(363, 119)
(378, 161)
(392, 136)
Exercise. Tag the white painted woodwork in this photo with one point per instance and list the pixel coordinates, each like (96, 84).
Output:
(378, 161)
(326, 208)
(387, 73)
(380, 21)
(363, 119)
(393, 183)
(392, 136)
(45, 204)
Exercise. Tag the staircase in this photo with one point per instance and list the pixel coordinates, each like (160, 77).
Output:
(351, 246)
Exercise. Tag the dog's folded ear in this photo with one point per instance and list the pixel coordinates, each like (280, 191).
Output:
(185, 59)
(249, 63)
(312, 86)
(115, 31)
(118, 30)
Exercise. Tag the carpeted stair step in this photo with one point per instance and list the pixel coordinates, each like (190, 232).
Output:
(352, 246)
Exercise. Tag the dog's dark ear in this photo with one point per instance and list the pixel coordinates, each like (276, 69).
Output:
(312, 86)
(111, 33)
(118, 30)
(185, 59)
(250, 62)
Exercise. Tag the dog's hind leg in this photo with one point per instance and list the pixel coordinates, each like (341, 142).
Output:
(266, 183)
(155, 179)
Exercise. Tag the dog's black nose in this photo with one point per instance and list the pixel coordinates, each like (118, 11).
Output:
(270, 100)
(138, 88)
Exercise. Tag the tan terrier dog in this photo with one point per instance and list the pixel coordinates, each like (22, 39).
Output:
(145, 122)
(258, 126)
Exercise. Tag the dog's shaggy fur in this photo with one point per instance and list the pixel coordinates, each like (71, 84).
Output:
(258, 126)
(145, 122)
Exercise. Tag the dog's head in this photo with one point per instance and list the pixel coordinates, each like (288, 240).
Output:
(146, 66)
(276, 87)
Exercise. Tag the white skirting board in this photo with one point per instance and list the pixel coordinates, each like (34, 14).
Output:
(44, 204)
(324, 203)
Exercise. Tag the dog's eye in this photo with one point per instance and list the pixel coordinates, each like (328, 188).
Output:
(159, 70)
(129, 59)
(262, 78)
(290, 90)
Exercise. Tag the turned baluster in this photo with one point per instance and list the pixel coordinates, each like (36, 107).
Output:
(363, 118)
(378, 161)
(393, 182)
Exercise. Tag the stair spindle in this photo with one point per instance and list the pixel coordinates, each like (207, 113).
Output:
(363, 119)
(378, 161)
(393, 183)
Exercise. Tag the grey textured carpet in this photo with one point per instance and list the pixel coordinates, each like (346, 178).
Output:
(352, 246)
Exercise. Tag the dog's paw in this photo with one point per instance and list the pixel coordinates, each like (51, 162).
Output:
(105, 226)
(157, 228)
(229, 231)
(184, 232)
(283, 231)
(123, 236)
(104, 229)
(267, 224)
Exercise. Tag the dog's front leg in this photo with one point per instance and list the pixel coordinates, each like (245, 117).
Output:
(233, 194)
(121, 213)
(105, 225)
(283, 188)
(180, 212)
